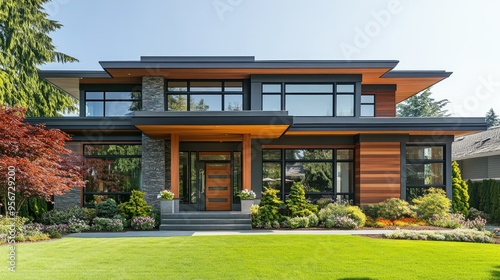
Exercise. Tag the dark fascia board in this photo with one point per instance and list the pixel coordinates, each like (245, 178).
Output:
(262, 64)
(306, 78)
(86, 123)
(379, 88)
(213, 118)
(73, 74)
(197, 58)
(387, 124)
(417, 74)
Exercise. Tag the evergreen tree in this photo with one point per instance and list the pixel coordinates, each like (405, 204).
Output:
(492, 119)
(422, 105)
(296, 204)
(460, 201)
(268, 209)
(25, 45)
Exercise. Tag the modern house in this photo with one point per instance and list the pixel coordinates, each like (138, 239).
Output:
(478, 155)
(208, 127)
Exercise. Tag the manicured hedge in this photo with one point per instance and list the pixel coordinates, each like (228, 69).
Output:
(485, 196)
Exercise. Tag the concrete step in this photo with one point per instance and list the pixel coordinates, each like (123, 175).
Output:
(205, 227)
(205, 221)
(206, 215)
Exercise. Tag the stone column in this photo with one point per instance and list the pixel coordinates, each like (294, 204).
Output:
(153, 150)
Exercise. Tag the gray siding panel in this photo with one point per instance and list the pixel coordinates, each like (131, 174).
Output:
(494, 167)
(474, 168)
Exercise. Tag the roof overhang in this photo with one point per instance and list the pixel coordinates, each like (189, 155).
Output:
(213, 126)
(131, 72)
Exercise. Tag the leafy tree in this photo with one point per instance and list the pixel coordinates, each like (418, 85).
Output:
(43, 166)
(296, 204)
(460, 201)
(422, 105)
(24, 45)
(492, 119)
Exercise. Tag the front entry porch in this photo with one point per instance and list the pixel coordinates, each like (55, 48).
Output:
(214, 220)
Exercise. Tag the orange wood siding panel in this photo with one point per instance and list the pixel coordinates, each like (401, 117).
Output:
(378, 171)
(174, 164)
(385, 104)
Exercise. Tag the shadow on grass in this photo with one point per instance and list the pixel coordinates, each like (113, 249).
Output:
(495, 273)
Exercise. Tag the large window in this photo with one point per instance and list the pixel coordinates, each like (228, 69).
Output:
(319, 99)
(112, 171)
(205, 96)
(425, 168)
(111, 103)
(323, 172)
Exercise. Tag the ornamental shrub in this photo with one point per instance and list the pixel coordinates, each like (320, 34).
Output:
(464, 235)
(393, 209)
(460, 201)
(107, 224)
(341, 209)
(268, 215)
(107, 209)
(136, 206)
(454, 220)
(323, 202)
(343, 222)
(313, 220)
(143, 223)
(296, 203)
(297, 222)
(485, 196)
(432, 205)
(77, 225)
(56, 217)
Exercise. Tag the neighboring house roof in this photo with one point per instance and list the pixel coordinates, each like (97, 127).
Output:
(481, 144)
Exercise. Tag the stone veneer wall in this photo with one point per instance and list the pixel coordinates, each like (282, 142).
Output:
(153, 150)
(74, 196)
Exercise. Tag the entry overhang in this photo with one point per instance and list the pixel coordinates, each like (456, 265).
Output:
(213, 126)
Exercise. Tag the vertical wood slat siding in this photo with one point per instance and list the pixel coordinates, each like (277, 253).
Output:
(378, 171)
(385, 104)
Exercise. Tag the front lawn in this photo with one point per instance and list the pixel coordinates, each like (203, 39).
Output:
(252, 257)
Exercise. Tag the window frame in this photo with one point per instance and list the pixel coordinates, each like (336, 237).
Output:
(368, 104)
(222, 93)
(424, 161)
(105, 100)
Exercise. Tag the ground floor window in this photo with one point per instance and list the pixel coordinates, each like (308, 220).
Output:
(112, 171)
(425, 168)
(323, 172)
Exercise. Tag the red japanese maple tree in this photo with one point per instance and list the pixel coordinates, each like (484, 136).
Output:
(39, 162)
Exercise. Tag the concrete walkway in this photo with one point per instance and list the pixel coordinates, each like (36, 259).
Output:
(205, 233)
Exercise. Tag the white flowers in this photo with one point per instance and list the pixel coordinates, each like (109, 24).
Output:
(166, 194)
(247, 194)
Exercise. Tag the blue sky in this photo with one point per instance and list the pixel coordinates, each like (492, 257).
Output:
(460, 36)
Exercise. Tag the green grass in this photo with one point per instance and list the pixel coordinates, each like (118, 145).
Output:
(252, 257)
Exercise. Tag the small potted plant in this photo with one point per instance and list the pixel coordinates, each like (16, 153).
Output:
(247, 200)
(167, 203)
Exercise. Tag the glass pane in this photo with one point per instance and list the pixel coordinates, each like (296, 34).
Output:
(271, 154)
(206, 102)
(205, 86)
(113, 174)
(345, 105)
(120, 108)
(122, 95)
(183, 177)
(345, 154)
(112, 150)
(233, 102)
(315, 176)
(94, 95)
(424, 174)
(271, 102)
(309, 154)
(271, 175)
(177, 102)
(194, 185)
(236, 174)
(215, 156)
(177, 86)
(94, 109)
(313, 88)
(345, 177)
(271, 88)
(233, 86)
(345, 88)
(367, 98)
(309, 105)
(367, 110)
(421, 152)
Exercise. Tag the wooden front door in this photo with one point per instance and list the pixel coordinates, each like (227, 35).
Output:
(218, 186)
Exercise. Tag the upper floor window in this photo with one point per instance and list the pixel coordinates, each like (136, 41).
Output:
(319, 99)
(205, 96)
(367, 105)
(111, 103)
